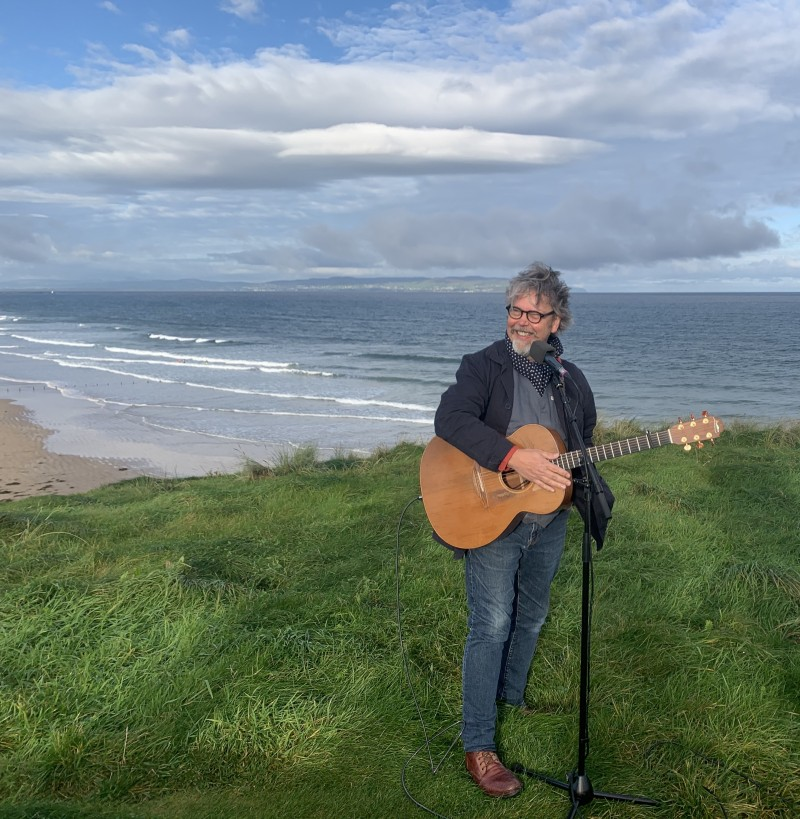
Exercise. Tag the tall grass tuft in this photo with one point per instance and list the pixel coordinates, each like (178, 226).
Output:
(228, 646)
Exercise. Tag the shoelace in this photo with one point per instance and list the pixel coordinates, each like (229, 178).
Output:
(487, 758)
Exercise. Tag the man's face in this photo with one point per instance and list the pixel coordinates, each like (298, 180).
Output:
(522, 331)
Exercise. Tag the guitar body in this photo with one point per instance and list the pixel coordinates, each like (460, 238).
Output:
(469, 506)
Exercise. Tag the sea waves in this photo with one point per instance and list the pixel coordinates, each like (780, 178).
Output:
(360, 370)
(166, 384)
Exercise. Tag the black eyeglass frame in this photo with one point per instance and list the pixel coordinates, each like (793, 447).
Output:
(533, 316)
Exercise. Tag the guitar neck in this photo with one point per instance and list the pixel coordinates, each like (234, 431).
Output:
(605, 452)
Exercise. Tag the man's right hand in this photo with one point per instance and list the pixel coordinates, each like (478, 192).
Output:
(537, 466)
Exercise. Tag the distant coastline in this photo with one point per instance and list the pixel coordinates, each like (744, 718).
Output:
(445, 284)
(461, 284)
(437, 284)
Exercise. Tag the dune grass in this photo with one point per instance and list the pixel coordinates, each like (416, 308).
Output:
(228, 646)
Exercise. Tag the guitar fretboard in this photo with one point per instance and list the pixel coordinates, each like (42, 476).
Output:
(650, 440)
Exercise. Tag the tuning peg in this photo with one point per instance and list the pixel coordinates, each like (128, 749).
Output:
(700, 444)
(687, 448)
(704, 413)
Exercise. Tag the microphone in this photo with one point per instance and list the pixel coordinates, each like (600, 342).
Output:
(543, 353)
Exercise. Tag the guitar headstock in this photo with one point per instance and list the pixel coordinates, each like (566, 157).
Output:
(696, 430)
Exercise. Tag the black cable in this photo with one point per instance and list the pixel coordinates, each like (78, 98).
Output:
(433, 770)
(404, 654)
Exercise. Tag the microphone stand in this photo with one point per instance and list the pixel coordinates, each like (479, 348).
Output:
(577, 783)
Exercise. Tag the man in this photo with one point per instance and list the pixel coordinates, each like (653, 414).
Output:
(498, 390)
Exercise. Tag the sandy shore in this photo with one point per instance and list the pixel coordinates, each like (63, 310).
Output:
(28, 468)
(52, 443)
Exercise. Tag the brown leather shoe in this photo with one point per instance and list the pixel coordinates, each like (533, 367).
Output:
(490, 775)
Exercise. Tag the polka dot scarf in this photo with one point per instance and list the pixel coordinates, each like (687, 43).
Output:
(538, 374)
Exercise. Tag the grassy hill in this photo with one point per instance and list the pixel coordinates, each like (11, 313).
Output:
(227, 646)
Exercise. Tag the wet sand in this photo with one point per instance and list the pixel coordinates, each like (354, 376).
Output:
(28, 468)
(54, 444)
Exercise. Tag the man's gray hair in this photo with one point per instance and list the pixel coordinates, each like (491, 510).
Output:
(545, 282)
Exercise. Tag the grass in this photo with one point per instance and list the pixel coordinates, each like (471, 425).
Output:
(227, 646)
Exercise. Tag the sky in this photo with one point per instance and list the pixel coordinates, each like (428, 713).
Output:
(634, 145)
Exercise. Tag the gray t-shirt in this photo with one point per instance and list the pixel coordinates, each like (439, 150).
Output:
(532, 408)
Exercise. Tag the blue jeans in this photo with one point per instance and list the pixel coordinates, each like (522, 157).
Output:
(508, 595)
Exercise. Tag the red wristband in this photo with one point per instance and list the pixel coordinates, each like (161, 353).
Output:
(504, 463)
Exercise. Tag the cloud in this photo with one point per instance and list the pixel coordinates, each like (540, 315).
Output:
(580, 232)
(210, 158)
(18, 243)
(178, 38)
(245, 9)
(464, 145)
(445, 136)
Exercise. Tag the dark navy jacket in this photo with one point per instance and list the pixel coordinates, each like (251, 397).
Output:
(474, 414)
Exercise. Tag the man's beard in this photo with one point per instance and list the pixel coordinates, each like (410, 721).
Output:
(522, 347)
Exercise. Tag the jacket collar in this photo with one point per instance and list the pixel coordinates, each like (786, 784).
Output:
(498, 353)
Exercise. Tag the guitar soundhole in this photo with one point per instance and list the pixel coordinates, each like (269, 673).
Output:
(513, 480)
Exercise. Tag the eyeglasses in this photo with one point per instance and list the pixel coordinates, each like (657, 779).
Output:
(533, 316)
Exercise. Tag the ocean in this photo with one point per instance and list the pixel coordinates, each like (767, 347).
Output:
(238, 374)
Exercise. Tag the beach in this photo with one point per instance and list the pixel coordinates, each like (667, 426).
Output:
(54, 445)
(28, 468)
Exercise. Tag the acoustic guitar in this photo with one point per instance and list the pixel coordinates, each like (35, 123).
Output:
(469, 506)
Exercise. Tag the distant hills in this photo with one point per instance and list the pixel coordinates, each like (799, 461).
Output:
(476, 284)
(441, 284)
(460, 284)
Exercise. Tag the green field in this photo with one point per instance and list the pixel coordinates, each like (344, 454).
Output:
(227, 646)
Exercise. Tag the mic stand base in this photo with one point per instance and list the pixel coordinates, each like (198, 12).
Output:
(581, 791)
